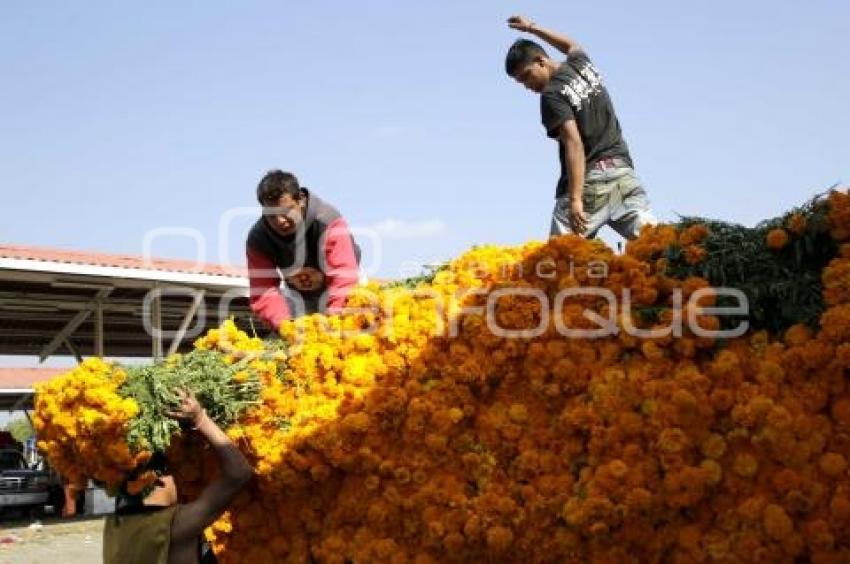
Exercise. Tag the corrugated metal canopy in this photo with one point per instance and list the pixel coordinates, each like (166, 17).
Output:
(61, 302)
(16, 386)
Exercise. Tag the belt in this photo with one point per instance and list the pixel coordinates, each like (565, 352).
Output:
(609, 162)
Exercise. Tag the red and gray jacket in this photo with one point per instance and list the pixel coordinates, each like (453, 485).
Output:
(320, 258)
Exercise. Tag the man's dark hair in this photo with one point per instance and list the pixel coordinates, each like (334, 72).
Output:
(521, 53)
(275, 184)
(125, 502)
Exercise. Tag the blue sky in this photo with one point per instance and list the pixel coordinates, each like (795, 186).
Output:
(120, 118)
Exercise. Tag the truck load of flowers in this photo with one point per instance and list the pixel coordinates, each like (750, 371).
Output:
(687, 401)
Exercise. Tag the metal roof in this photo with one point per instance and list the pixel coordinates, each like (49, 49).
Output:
(125, 266)
(16, 385)
(77, 303)
(25, 378)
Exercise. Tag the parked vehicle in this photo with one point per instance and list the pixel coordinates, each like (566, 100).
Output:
(21, 487)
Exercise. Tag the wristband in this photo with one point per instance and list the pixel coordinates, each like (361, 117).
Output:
(199, 420)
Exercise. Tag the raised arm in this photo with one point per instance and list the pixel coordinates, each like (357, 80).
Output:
(192, 518)
(563, 43)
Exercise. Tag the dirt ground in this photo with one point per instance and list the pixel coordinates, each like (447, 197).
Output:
(52, 541)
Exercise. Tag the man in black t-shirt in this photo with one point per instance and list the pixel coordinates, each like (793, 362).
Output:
(598, 185)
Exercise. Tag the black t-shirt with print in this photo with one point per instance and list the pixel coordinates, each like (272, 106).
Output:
(576, 92)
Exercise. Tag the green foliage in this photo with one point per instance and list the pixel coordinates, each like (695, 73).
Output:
(20, 428)
(427, 277)
(783, 286)
(204, 373)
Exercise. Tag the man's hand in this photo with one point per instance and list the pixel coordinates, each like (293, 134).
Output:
(578, 219)
(559, 41)
(188, 410)
(521, 23)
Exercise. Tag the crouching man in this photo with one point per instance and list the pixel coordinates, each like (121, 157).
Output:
(302, 244)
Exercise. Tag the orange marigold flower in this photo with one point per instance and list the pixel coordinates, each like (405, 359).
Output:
(777, 239)
(835, 324)
(518, 413)
(694, 254)
(839, 507)
(692, 284)
(690, 537)
(839, 215)
(145, 479)
(712, 470)
(693, 235)
(796, 224)
(797, 335)
(752, 509)
(672, 440)
(818, 535)
(777, 523)
(833, 464)
(841, 411)
(651, 350)
(745, 465)
(714, 446)
(836, 281)
(499, 538)
(842, 355)
(684, 400)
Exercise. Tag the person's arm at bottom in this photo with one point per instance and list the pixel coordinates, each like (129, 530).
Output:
(192, 518)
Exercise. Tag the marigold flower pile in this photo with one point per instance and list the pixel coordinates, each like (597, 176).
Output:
(411, 431)
(81, 423)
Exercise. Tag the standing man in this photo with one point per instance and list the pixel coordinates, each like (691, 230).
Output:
(304, 241)
(598, 185)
